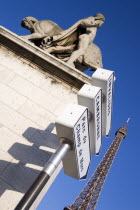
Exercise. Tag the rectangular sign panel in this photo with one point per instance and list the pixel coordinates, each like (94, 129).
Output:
(81, 139)
(72, 127)
(98, 121)
(91, 97)
(105, 80)
(109, 103)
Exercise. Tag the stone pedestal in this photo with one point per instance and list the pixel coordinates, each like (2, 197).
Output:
(34, 88)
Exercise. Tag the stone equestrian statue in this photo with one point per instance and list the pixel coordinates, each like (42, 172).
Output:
(73, 45)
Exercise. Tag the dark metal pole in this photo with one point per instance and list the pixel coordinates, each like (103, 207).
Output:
(30, 196)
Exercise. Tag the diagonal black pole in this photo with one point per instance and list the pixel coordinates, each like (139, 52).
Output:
(31, 195)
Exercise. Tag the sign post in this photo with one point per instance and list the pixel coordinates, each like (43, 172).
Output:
(73, 134)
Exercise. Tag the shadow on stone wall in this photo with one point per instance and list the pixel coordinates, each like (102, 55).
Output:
(28, 159)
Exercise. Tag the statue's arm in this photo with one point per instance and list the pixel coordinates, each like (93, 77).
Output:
(88, 22)
(33, 36)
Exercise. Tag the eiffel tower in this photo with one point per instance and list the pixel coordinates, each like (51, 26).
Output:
(89, 196)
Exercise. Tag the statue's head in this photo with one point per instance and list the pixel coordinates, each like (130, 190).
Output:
(100, 19)
(28, 22)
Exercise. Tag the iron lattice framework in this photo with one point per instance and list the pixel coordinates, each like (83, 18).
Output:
(88, 197)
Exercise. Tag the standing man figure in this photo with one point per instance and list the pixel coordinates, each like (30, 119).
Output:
(91, 24)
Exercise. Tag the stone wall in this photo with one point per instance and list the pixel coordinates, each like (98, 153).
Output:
(30, 100)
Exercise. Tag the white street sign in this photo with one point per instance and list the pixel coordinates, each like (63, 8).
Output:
(91, 97)
(105, 79)
(72, 127)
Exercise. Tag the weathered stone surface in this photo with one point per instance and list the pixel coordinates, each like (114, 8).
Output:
(23, 176)
(8, 138)
(5, 74)
(45, 140)
(5, 160)
(34, 93)
(11, 97)
(9, 196)
(38, 114)
(15, 121)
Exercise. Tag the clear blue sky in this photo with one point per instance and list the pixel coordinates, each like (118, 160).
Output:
(118, 39)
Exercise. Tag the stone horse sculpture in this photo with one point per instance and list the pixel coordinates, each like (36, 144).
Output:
(73, 45)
